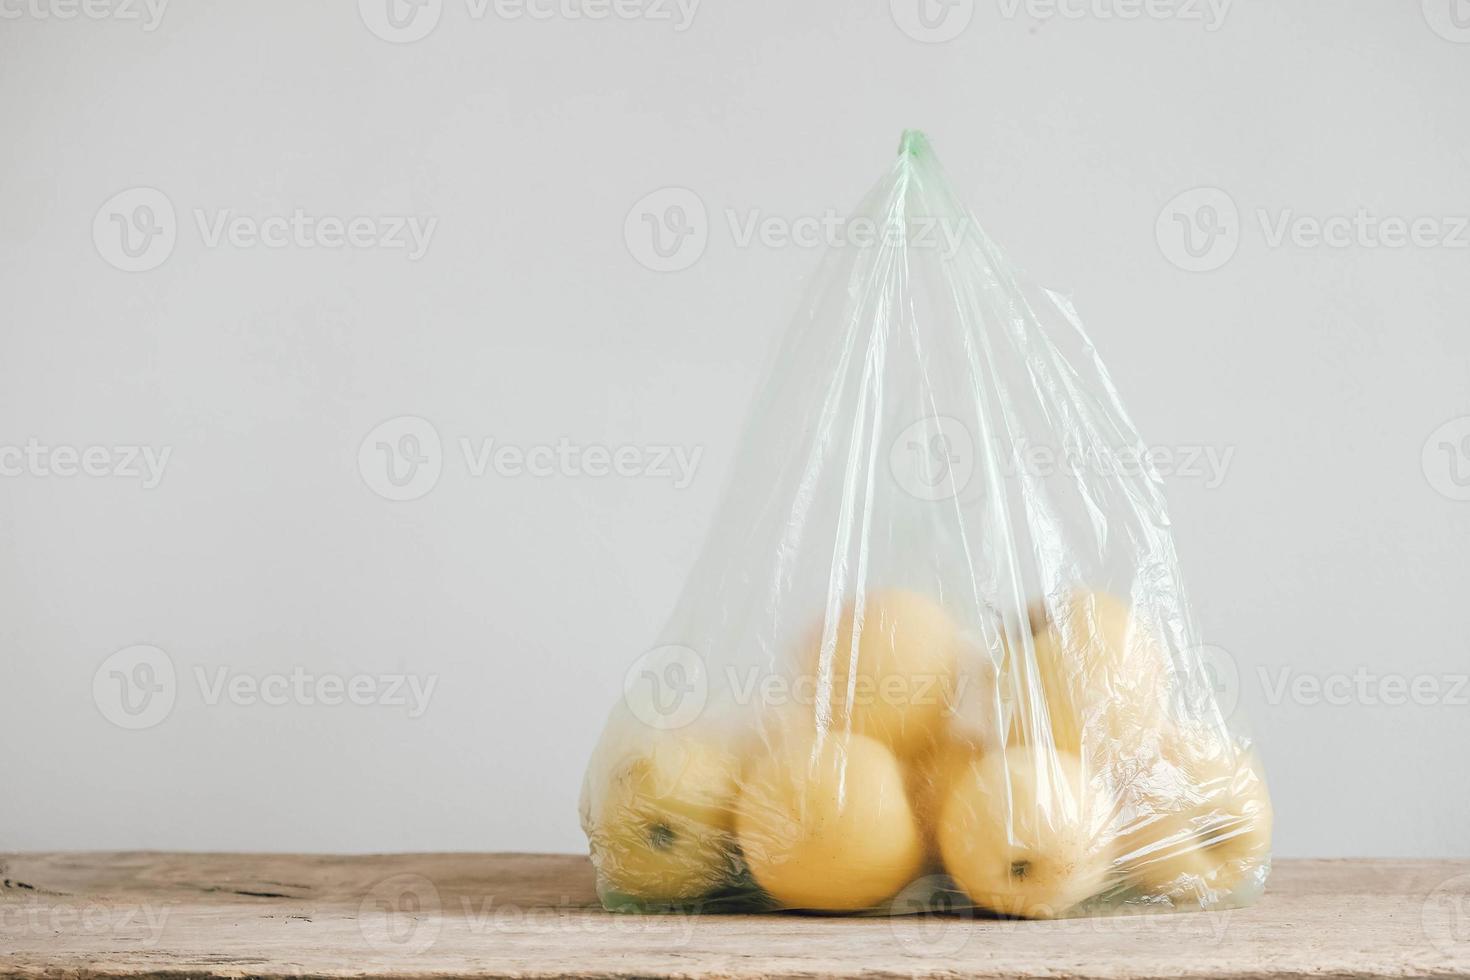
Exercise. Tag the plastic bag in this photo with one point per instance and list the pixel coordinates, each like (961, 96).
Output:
(936, 650)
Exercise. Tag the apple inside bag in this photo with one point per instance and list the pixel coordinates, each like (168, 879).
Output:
(936, 650)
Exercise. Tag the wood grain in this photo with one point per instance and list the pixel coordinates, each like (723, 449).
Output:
(88, 915)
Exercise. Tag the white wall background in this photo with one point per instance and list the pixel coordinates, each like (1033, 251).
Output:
(1332, 546)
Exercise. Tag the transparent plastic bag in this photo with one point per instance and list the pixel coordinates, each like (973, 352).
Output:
(937, 650)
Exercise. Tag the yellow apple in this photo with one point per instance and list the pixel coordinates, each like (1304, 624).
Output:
(824, 822)
(1161, 855)
(1208, 832)
(888, 668)
(659, 817)
(1234, 817)
(1020, 832)
(1100, 683)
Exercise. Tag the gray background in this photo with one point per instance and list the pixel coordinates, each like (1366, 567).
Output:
(1333, 548)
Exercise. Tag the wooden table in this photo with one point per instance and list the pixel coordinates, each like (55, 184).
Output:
(484, 915)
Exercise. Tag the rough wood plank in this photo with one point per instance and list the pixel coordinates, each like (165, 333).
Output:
(515, 915)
